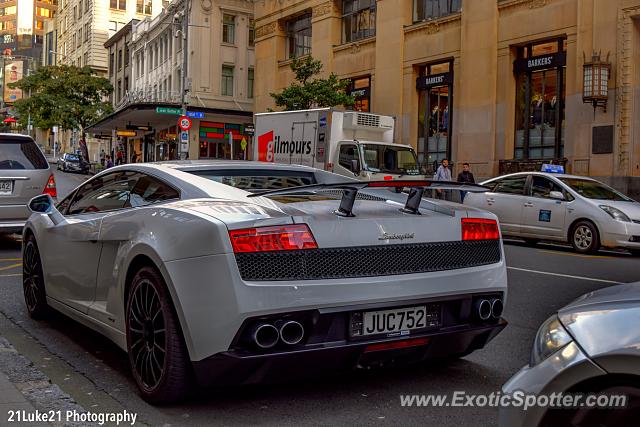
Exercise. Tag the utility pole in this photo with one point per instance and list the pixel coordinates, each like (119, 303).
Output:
(185, 65)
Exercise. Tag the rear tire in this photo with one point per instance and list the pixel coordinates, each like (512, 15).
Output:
(157, 353)
(35, 296)
(584, 237)
(634, 252)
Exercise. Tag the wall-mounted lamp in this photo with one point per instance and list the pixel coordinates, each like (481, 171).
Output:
(595, 81)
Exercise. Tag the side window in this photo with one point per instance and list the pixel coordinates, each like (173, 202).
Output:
(348, 152)
(105, 193)
(511, 185)
(541, 187)
(148, 190)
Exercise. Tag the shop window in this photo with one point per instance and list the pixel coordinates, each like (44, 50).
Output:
(358, 20)
(540, 99)
(432, 9)
(360, 89)
(228, 29)
(299, 36)
(435, 109)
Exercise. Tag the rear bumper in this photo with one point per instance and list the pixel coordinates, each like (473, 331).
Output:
(240, 367)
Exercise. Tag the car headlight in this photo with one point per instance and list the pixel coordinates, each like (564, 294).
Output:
(551, 337)
(615, 213)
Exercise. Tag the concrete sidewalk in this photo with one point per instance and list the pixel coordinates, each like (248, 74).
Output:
(12, 400)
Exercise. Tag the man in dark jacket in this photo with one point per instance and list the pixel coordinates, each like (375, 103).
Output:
(467, 177)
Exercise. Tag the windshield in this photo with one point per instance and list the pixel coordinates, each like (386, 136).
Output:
(390, 159)
(594, 190)
(256, 180)
(71, 157)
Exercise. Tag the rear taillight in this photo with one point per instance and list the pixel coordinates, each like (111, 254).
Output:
(479, 229)
(50, 188)
(278, 238)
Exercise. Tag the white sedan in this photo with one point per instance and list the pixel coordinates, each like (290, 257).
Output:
(202, 282)
(567, 208)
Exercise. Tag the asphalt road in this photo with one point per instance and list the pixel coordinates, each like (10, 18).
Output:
(95, 372)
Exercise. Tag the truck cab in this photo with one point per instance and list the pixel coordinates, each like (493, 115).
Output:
(371, 160)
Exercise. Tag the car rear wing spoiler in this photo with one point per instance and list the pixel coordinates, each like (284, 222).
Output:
(350, 191)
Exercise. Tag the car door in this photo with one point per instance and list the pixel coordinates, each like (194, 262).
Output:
(543, 216)
(506, 201)
(72, 246)
(117, 228)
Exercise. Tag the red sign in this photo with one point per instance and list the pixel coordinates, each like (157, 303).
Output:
(184, 123)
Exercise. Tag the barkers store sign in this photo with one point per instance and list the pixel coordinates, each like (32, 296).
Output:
(540, 62)
(426, 82)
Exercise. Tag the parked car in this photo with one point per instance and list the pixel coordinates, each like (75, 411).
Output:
(72, 163)
(203, 282)
(590, 346)
(24, 173)
(566, 208)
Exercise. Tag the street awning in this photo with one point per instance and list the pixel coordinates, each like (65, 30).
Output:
(9, 120)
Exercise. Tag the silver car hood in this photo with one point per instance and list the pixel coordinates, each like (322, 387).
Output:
(605, 323)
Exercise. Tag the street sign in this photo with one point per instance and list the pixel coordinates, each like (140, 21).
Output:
(138, 127)
(249, 129)
(184, 123)
(126, 133)
(243, 143)
(184, 147)
(195, 114)
(184, 136)
(169, 110)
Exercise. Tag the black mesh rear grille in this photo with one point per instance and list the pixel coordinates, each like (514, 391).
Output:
(367, 261)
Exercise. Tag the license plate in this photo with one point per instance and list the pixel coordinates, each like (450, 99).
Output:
(395, 322)
(6, 187)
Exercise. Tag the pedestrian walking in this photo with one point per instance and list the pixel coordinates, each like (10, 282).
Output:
(109, 163)
(443, 174)
(465, 177)
(102, 156)
(134, 157)
(119, 157)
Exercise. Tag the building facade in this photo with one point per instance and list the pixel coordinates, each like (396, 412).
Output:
(83, 27)
(217, 87)
(498, 84)
(22, 25)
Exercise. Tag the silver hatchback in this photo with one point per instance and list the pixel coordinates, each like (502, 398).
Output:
(24, 174)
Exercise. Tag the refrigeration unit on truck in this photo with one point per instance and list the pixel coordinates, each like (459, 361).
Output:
(349, 143)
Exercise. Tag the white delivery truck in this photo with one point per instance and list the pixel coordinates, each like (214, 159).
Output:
(349, 143)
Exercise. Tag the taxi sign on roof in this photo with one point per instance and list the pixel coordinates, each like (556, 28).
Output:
(547, 167)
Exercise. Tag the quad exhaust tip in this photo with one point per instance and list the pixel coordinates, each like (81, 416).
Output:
(291, 332)
(496, 308)
(483, 309)
(265, 335)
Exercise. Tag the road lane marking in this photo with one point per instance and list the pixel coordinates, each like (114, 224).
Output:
(10, 267)
(10, 259)
(10, 275)
(548, 273)
(549, 251)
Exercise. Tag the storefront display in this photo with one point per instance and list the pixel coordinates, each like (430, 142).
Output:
(222, 141)
(360, 89)
(540, 99)
(435, 86)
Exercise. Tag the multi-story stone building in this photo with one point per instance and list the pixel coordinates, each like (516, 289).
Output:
(218, 86)
(120, 66)
(83, 27)
(498, 84)
(22, 25)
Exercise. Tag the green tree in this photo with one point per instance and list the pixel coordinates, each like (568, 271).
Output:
(62, 95)
(309, 91)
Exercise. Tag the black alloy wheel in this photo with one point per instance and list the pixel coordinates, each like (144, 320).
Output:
(157, 353)
(35, 296)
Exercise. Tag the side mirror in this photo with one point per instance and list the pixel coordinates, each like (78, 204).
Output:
(557, 195)
(41, 204)
(355, 166)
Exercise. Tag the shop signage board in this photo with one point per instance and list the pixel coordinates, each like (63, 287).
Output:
(126, 133)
